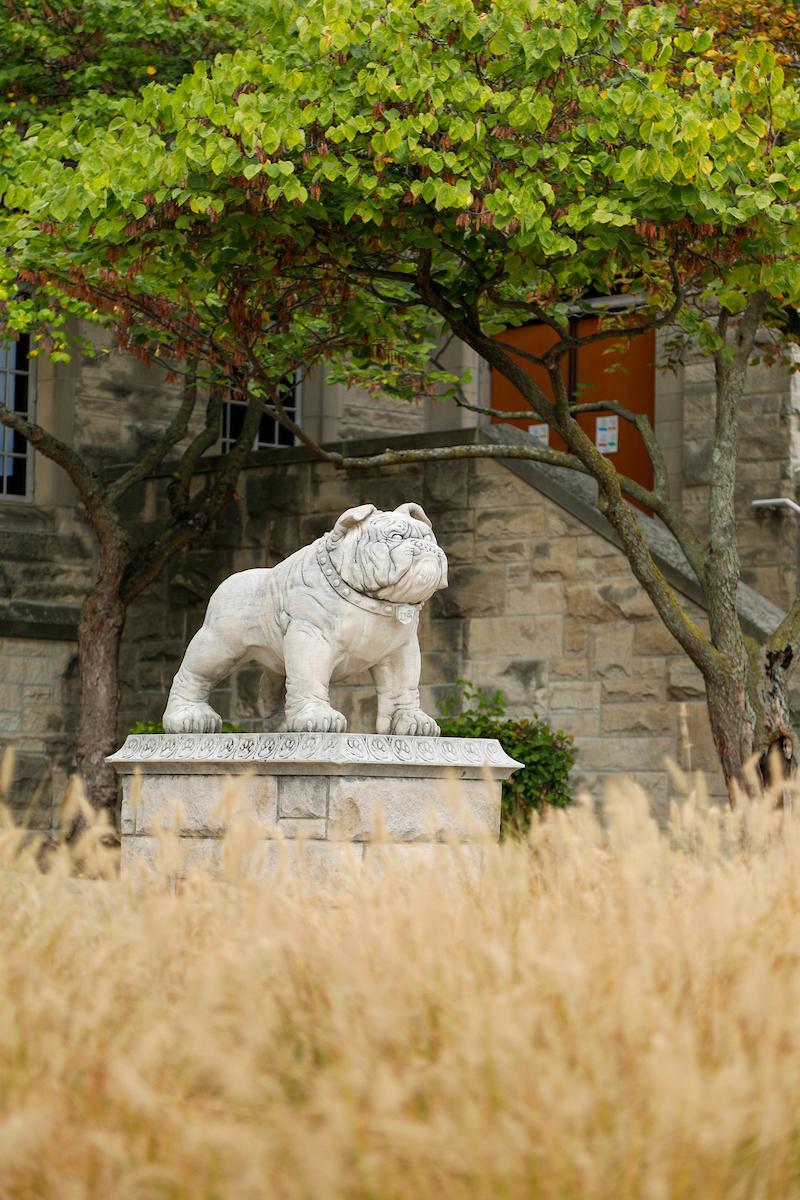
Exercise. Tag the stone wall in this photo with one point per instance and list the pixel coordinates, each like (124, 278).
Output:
(38, 708)
(539, 604)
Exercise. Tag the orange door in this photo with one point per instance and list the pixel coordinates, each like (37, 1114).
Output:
(619, 369)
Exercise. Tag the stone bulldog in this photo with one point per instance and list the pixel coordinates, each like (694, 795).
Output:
(349, 602)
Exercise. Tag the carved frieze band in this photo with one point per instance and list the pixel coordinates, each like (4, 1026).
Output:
(334, 748)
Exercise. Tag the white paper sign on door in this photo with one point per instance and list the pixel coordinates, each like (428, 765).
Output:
(607, 435)
(540, 434)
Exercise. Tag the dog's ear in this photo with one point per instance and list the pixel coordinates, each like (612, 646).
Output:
(416, 511)
(353, 516)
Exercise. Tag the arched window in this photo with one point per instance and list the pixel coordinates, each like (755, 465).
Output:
(16, 393)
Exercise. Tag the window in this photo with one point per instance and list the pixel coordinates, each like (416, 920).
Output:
(16, 392)
(270, 434)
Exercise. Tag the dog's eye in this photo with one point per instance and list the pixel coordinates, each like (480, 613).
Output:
(395, 537)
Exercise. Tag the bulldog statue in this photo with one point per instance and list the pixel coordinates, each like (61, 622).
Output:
(347, 603)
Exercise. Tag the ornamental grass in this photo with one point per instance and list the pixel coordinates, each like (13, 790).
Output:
(607, 1009)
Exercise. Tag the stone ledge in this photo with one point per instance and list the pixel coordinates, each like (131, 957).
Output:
(46, 622)
(360, 754)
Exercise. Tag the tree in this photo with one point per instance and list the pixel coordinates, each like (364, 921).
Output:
(487, 164)
(98, 44)
(77, 59)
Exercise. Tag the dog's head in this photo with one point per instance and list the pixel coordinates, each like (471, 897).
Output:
(390, 555)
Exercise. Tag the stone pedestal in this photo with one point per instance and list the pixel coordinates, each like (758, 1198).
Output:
(332, 799)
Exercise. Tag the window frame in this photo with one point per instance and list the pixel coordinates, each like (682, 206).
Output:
(297, 416)
(30, 454)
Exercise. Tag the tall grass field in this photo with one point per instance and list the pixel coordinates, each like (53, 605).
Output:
(606, 1010)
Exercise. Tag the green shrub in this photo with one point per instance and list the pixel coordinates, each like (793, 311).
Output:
(157, 727)
(548, 754)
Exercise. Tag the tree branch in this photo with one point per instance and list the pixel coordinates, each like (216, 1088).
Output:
(85, 480)
(180, 484)
(149, 561)
(155, 455)
(788, 632)
(660, 503)
(532, 453)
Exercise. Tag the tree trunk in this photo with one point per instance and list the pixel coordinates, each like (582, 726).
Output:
(751, 723)
(99, 635)
(733, 729)
(774, 734)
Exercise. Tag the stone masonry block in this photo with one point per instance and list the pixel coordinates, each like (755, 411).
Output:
(650, 719)
(309, 829)
(320, 863)
(608, 601)
(576, 638)
(533, 637)
(459, 547)
(446, 485)
(492, 488)
(588, 567)
(522, 521)
(450, 862)
(362, 810)
(701, 750)
(582, 724)
(562, 524)
(302, 796)
(569, 668)
(625, 753)
(138, 853)
(471, 592)
(455, 520)
(522, 680)
(634, 688)
(536, 597)
(195, 804)
(554, 558)
(574, 696)
(444, 635)
(652, 637)
(499, 550)
(684, 681)
(612, 649)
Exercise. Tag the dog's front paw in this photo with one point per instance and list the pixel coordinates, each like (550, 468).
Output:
(191, 718)
(316, 718)
(414, 723)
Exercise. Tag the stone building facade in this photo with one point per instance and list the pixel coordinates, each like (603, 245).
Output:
(541, 603)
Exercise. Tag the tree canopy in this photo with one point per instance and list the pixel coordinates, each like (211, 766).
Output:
(532, 158)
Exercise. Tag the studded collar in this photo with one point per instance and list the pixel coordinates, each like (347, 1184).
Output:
(404, 613)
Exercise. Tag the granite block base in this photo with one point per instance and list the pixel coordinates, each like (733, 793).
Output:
(321, 802)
